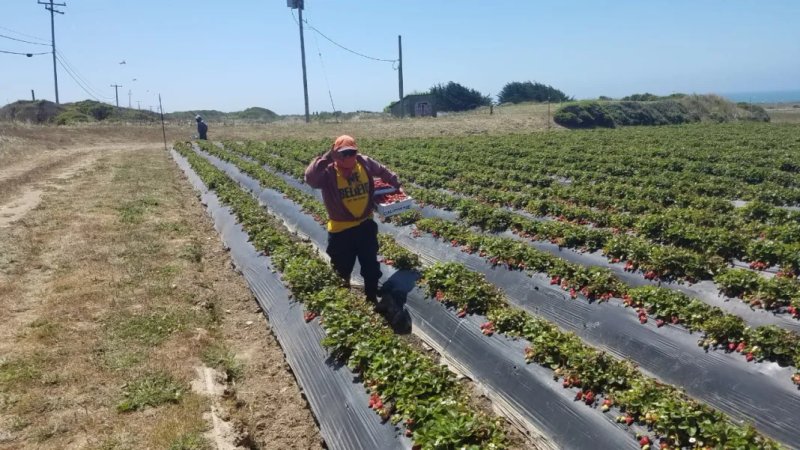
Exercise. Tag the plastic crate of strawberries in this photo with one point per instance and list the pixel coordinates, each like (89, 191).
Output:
(390, 201)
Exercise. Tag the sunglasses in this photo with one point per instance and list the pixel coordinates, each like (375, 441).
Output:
(348, 153)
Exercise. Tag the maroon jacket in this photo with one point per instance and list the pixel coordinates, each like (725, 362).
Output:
(321, 174)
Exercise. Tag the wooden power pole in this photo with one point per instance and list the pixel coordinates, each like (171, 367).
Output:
(116, 92)
(298, 5)
(400, 75)
(50, 6)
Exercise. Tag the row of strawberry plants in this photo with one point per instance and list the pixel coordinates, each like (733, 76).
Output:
(623, 159)
(396, 255)
(676, 421)
(405, 385)
(477, 299)
(655, 261)
(762, 243)
(683, 264)
(306, 202)
(721, 330)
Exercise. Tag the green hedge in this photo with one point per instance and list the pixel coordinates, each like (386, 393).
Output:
(687, 109)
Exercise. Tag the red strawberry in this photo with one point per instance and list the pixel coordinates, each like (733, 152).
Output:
(675, 320)
(375, 401)
(731, 346)
(644, 441)
(740, 348)
(439, 295)
(642, 319)
(461, 313)
(660, 323)
(555, 280)
(650, 275)
(579, 395)
(588, 397)
(573, 293)
(309, 316)
(749, 356)
(628, 419)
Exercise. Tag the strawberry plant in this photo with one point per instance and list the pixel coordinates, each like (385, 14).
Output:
(395, 255)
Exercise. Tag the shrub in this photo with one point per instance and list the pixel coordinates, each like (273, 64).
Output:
(71, 116)
(455, 97)
(653, 110)
(584, 115)
(516, 92)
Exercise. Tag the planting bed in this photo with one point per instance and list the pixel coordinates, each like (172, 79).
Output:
(669, 353)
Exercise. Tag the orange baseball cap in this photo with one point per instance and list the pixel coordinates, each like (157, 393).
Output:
(344, 142)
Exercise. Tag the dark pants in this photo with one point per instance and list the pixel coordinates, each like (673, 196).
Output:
(358, 242)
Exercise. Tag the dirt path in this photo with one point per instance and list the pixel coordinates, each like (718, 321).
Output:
(117, 299)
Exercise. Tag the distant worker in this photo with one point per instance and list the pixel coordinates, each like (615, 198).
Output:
(202, 128)
(346, 179)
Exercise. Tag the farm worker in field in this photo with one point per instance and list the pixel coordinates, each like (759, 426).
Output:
(346, 179)
(202, 128)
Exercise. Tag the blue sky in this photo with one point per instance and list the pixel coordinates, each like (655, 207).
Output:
(229, 55)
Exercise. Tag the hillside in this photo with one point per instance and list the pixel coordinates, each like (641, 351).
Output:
(43, 111)
(651, 110)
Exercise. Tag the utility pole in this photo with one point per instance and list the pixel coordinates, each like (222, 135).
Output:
(33, 96)
(116, 92)
(298, 5)
(400, 75)
(129, 98)
(50, 6)
(163, 130)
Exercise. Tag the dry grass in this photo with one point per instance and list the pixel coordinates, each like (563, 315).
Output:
(784, 114)
(112, 291)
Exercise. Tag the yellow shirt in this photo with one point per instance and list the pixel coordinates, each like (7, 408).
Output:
(354, 192)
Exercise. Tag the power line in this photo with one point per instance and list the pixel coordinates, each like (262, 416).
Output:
(311, 27)
(64, 61)
(325, 74)
(24, 54)
(83, 85)
(76, 80)
(22, 40)
(23, 34)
